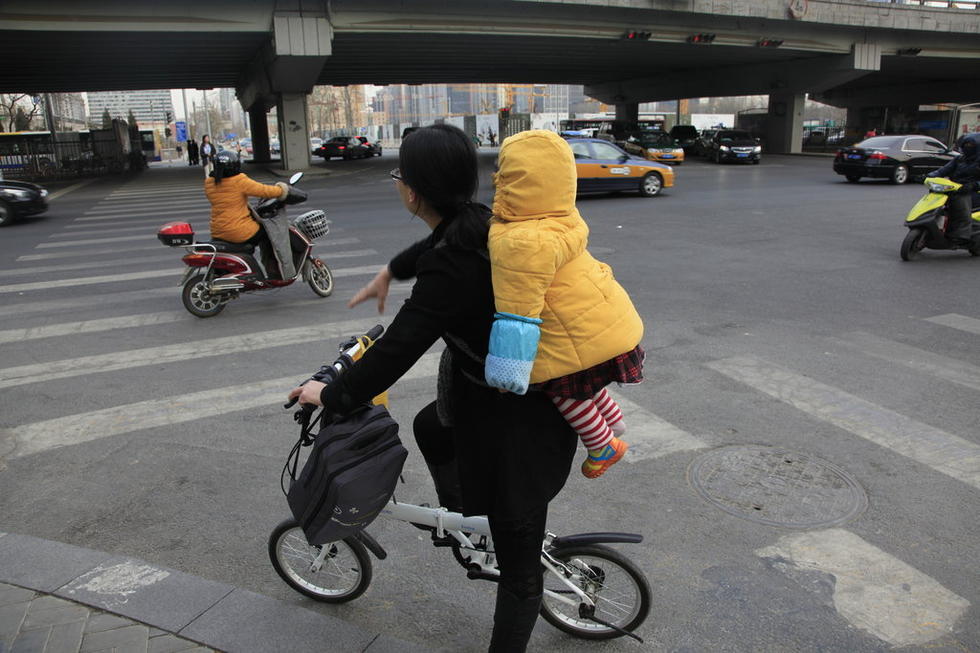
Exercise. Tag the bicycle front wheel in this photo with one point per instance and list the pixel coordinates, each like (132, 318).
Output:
(343, 575)
(616, 585)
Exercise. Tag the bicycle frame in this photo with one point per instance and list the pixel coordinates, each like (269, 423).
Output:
(455, 525)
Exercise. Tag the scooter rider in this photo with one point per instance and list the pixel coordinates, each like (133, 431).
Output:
(228, 190)
(964, 169)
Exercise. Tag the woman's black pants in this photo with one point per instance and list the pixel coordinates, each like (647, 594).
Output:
(517, 544)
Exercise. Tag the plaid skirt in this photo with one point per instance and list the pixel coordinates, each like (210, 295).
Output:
(626, 368)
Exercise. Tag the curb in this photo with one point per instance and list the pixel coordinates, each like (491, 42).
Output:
(217, 615)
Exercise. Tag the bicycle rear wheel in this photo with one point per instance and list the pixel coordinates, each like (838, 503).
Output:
(616, 585)
(343, 576)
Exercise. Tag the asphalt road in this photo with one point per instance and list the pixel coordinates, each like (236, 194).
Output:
(806, 450)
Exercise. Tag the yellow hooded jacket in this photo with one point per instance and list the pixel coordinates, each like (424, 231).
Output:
(540, 264)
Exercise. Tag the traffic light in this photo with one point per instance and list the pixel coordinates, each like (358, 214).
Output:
(170, 118)
(166, 132)
(505, 113)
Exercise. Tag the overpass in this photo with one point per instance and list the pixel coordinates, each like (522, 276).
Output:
(850, 53)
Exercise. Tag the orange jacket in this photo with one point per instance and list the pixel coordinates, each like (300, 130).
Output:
(230, 217)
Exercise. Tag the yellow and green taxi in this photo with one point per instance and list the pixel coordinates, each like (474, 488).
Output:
(662, 147)
(604, 167)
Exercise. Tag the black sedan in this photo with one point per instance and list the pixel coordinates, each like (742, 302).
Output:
(733, 145)
(20, 198)
(345, 147)
(896, 158)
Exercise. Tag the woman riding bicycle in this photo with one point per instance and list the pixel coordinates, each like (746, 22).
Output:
(476, 437)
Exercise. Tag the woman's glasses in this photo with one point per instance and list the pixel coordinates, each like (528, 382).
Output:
(396, 174)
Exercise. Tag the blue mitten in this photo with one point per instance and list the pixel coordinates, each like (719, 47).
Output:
(513, 346)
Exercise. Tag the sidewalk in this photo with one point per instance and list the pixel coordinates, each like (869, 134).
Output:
(59, 598)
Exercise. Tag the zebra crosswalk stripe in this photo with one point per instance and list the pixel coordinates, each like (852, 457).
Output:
(946, 453)
(939, 366)
(872, 589)
(85, 427)
(955, 321)
(221, 346)
(651, 436)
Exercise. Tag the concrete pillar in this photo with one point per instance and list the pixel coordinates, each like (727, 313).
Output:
(784, 128)
(260, 134)
(628, 111)
(294, 133)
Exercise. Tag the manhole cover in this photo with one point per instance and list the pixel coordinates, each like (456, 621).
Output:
(777, 487)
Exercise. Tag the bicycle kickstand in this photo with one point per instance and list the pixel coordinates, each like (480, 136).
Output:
(588, 612)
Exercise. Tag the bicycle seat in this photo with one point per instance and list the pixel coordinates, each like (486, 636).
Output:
(232, 248)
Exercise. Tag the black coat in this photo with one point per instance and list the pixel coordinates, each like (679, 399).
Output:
(962, 170)
(513, 452)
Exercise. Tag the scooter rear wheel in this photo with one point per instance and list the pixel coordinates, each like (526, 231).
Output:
(915, 242)
(198, 299)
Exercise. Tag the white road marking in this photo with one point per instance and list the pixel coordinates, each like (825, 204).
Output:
(942, 367)
(92, 230)
(174, 272)
(135, 208)
(176, 216)
(87, 281)
(86, 252)
(119, 223)
(946, 453)
(149, 235)
(960, 322)
(85, 427)
(106, 263)
(64, 191)
(57, 305)
(873, 590)
(649, 436)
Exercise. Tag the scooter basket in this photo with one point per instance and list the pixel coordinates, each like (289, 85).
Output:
(313, 224)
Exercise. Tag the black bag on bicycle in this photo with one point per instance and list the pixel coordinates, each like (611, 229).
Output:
(349, 477)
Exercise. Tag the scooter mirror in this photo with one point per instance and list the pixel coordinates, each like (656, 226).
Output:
(295, 178)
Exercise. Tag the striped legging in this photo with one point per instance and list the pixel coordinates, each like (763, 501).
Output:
(596, 420)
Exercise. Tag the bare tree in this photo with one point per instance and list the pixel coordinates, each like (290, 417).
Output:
(9, 104)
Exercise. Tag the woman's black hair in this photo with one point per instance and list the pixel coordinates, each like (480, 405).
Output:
(439, 163)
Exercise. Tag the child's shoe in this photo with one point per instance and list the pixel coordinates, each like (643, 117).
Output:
(599, 461)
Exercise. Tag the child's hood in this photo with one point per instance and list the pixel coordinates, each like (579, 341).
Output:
(536, 177)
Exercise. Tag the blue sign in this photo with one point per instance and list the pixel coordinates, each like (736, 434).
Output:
(181, 128)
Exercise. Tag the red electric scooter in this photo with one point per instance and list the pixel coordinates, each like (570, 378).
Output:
(218, 271)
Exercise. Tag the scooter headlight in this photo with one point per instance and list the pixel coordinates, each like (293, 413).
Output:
(939, 188)
(757, 149)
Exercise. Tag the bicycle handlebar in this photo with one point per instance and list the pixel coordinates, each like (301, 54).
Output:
(348, 351)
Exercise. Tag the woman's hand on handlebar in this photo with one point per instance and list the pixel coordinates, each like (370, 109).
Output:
(377, 287)
(308, 393)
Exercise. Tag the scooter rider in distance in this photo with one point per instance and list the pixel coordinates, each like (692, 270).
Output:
(965, 170)
(228, 190)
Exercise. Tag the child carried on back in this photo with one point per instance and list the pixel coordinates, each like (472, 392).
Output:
(563, 323)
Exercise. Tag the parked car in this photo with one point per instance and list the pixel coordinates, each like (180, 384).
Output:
(315, 144)
(604, 167)
(345, 147)
(734, 145)
(703, 144)
(685, 136)
(19, 199)
(661, 147)
(896, 158)
(375, 147)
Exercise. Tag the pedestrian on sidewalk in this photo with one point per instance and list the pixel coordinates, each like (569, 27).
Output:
(208, 152)
(192, 153)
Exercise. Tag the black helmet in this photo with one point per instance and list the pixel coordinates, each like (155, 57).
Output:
(968, 145)
(227, 163)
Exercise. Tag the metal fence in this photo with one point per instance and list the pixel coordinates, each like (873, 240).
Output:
(938, 4)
